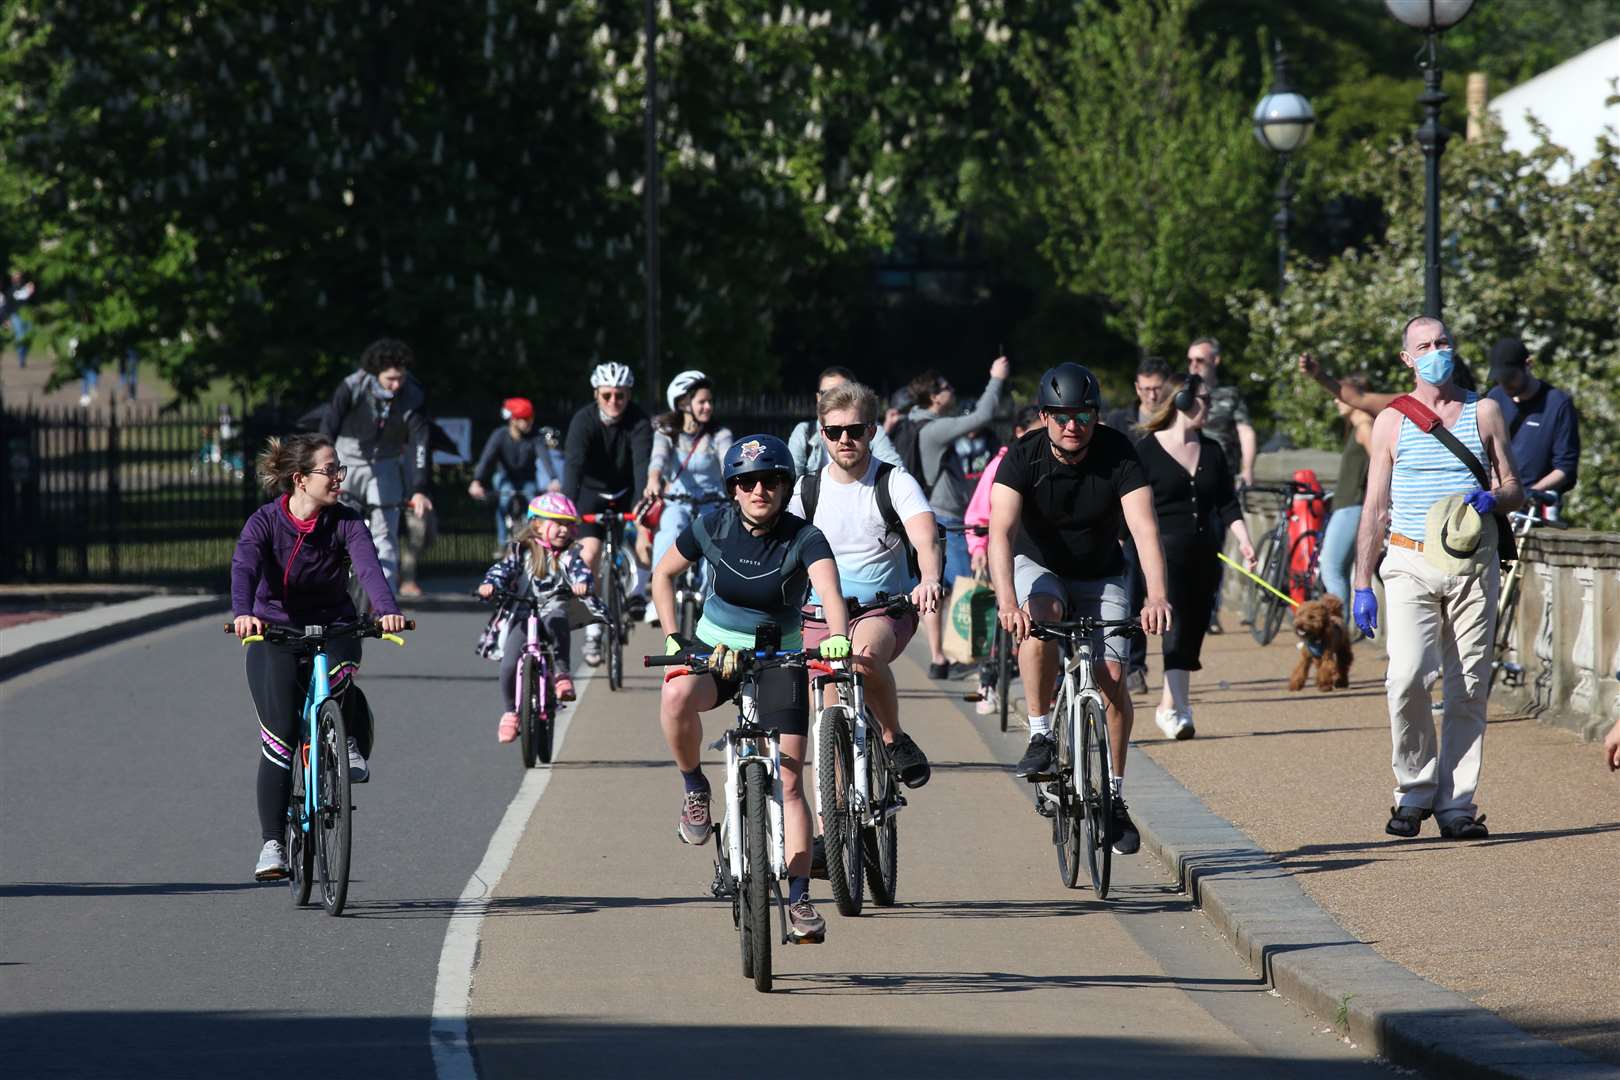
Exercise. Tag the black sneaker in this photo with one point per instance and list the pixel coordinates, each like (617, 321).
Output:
(1136, 682)
(1122, 830)
(939, 671)
(1215, 626)
(1039, 760)
(909, 761)
(818, 857)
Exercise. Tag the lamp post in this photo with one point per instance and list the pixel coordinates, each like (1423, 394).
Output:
(649, 365)
(1433, 17)
(1283, 122)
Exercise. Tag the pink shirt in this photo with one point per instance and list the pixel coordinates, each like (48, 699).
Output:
(978, 508)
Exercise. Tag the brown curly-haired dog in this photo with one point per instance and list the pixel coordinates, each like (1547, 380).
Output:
(1324, 642)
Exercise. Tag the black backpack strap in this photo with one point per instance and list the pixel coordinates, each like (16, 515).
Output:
(891, 517)
(809, 493)
(710, 542)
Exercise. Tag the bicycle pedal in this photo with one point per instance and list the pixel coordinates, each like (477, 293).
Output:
(806, 939)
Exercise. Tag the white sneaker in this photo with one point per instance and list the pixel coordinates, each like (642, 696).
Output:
(1176, 724)
(359, 771)
(272, 862)
(987, 703)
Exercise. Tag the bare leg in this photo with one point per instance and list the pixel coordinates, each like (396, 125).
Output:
(796, 824)
(1121, 716)
(1037, 659)
(678, 707)
(872, 647)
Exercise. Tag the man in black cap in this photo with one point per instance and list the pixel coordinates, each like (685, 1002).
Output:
(1541, 420)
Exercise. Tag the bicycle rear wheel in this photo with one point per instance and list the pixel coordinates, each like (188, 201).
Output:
(1004, 666)
(528, 707)
(1507, 609)
(1281, 579)
(882, 841)
(756, 884)
(332, 807)
(300, 845)
(1096, 795)
(1067, 813)
(1260, 601)
(615, 632)
(840, 823)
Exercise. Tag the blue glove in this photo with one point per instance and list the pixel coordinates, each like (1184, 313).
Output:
(1481, 500)
(1365, 609)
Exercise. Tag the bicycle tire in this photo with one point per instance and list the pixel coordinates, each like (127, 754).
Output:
(1004, 665)
(1507, 608)
(1260, 600)
(688, 619)
(840, 827)
(1279, 579)
(528, 704)
(299, 844)
(756, 886)
(615, 633)
(1067, 813)
(882, 841)
(1097, 796)
(333, 807)
(545, 732)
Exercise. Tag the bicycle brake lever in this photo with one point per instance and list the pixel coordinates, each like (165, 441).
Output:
(718, 744)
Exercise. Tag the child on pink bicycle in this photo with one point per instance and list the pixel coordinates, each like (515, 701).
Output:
(543, 555)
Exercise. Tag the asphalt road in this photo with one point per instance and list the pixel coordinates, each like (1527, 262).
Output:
(135, 942)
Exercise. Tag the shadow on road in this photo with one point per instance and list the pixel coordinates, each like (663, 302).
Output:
(982, 982)
(123, 888)
(444, 907)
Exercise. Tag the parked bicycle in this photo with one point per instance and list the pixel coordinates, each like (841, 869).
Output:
(616, 559)
(536, 696)
(319, 825)
(1286, 556)
(1524, 522)
(1078, 798)
(857, 786)
(750, 844)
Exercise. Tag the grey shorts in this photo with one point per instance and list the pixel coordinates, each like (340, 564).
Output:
(1100, 598)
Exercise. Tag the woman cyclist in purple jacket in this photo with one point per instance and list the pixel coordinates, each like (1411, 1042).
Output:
(291, 568)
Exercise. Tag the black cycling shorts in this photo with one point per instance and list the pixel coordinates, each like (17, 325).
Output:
(595, 502)
(783, 696)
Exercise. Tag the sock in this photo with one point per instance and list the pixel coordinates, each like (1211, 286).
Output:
(798, 889)
(1117, 783)
(695, 781)
(1178, 681)
(1040, 725)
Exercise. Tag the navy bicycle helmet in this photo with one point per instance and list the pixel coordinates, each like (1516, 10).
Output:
(1070, 386)
(758, 454)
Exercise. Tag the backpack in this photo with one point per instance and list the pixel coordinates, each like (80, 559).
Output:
(908, 444)
(711, 529)
(810, 492)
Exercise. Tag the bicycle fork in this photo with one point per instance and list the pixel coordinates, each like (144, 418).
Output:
(776, 835)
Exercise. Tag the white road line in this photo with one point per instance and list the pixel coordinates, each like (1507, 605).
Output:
(452, 991)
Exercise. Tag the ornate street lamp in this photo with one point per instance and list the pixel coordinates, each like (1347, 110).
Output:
(1283, 122)
(1433, 17)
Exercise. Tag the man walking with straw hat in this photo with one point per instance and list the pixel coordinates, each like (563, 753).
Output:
(1429, 483)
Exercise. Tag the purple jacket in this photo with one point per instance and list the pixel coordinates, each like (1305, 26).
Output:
(284, 575)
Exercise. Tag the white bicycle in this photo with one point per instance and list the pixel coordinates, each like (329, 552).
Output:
(750, 859)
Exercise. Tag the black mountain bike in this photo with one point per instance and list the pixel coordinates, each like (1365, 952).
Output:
(610, 584)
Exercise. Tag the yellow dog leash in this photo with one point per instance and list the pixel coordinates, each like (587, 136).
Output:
(1258, 580)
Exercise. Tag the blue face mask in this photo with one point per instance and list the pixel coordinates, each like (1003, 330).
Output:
(1435, 367)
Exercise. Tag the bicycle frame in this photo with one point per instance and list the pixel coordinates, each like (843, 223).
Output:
(320, 688)
(535, 648)
(852, 701)
(743, 744)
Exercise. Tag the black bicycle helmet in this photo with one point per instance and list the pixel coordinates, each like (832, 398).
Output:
(1070, 386)
(758, 454)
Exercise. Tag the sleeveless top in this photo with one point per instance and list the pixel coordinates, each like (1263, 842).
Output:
(1426, 472)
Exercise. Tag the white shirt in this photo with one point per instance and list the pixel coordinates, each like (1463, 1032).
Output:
(869, 559)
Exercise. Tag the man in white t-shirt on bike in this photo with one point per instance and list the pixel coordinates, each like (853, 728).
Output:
(870, 529)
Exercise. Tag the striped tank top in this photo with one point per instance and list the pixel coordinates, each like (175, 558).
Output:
(1426, 472)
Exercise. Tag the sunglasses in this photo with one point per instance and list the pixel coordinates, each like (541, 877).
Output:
(1064, 419)
(335, 472)
(612, 395)
(836, 432)
(769, 481)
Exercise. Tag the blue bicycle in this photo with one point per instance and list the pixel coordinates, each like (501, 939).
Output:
(319, 829)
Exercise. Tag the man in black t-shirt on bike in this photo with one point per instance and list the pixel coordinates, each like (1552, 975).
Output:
(1059, 498)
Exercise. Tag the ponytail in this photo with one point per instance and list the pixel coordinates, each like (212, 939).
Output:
(282, 459)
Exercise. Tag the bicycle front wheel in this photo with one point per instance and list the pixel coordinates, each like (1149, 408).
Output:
(1096, 795)
(840, 821)
(1259, 601)
(1280, 578)
(615, 633)
(1067, 813)
(688, 619)
(882, 840)
(332, 807)
(756, 884)
(528, 707)
(1005, 657)
(545, 713)
(300, 845)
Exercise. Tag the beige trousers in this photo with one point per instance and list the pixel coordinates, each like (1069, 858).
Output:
(1438, 626)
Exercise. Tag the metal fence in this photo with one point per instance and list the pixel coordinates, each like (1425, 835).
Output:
(148, 493)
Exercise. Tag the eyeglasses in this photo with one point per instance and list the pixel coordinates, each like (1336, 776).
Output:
(1064, 419)
(336, 472)
(770, 481)
(612, 395)
(836, 432)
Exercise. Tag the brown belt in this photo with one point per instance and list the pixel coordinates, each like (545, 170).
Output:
(1405, 541)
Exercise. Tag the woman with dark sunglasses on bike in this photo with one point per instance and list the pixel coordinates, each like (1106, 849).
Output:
(762, 562)
(291, 568)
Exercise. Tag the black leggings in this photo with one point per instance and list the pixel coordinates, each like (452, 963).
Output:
(278, 679)
(553, 624)
(1192, 576)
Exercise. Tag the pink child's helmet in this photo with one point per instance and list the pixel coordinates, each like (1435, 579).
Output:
(554, 506)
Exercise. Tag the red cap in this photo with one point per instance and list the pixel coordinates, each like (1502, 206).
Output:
(517, 408)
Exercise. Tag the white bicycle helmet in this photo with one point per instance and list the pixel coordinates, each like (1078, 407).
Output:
(681, 385)
(612, 375)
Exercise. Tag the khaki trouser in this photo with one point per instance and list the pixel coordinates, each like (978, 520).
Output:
(1437, 626)
(380, 485)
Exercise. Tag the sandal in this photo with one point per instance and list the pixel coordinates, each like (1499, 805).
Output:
(1405, 821)
(1465, 828)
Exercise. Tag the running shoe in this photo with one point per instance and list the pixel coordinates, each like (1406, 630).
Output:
(565, 688)
(808, 928)
(1040, 759)
(508, 731)
(359, 771)
(1175, 723)
(272, 862)
(1122, 830)
(1136, 682)
(693, 826)
(909, 761)
(987, 703)
(593, 650)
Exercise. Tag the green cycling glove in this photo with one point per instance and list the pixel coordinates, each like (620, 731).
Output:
(835, 647)
(672, 645)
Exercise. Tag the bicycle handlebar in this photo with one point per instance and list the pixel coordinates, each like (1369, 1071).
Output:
(534, 596)
(604, 518)
(889, 605)
(756, 660)
(1545, 498)
(315, 635)
(976, 530)
(696, 500)
(1063, 630)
